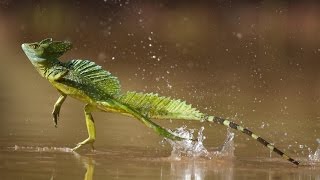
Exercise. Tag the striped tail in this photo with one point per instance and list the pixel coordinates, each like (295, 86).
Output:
(250, 133)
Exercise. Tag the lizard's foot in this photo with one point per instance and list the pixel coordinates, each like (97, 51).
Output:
(171, 135)
(55, 114)
(87, 141)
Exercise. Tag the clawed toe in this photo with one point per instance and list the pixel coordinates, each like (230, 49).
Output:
(87, 141)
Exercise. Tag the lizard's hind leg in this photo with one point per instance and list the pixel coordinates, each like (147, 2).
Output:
(90, 127)
(158, 129)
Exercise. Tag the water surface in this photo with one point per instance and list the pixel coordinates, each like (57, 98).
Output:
(138, 163)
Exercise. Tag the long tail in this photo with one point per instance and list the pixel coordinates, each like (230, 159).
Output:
(159, 107)
(250, 133)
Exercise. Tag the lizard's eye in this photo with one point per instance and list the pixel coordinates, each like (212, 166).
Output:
(33, 46)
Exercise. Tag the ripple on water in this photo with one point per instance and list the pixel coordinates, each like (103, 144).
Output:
(40, 149)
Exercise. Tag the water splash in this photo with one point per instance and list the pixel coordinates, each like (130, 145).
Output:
(227, 148)
(315, 157)
(191, 148)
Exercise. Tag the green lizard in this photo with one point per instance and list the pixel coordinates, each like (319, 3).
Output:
(99, 90)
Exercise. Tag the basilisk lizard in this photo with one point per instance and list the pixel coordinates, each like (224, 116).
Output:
(99, 90)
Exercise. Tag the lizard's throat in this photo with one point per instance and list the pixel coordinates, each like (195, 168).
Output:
(44, 66)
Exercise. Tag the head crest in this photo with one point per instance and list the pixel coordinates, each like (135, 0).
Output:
(46, 49)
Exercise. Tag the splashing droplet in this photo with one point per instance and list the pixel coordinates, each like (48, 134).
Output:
(315, 157)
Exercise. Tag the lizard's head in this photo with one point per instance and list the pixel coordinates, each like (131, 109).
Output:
(45, 49)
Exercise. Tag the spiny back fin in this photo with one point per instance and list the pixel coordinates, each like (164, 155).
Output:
(90, 72)
(154, 106)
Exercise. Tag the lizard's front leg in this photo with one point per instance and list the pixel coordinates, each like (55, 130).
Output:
(90, 127)
(56, 109)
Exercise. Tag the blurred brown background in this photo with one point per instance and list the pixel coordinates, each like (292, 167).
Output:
(256, 62)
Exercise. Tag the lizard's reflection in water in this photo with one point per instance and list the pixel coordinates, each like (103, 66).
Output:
(201, 169)
(186, 168)
(88, 163)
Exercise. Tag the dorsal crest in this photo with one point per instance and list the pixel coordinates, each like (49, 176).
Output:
(93, 73)
(154, 106)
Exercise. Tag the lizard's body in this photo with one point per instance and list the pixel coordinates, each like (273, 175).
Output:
(99, 90)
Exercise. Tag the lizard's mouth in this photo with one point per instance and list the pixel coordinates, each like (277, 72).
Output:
(31, 54)
(27, 50)
(25, 47)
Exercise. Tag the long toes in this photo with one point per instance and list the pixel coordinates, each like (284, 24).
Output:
(77, 147)
(74, 149)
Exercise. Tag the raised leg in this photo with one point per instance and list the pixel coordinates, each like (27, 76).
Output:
(56, 109)
(90, 127)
